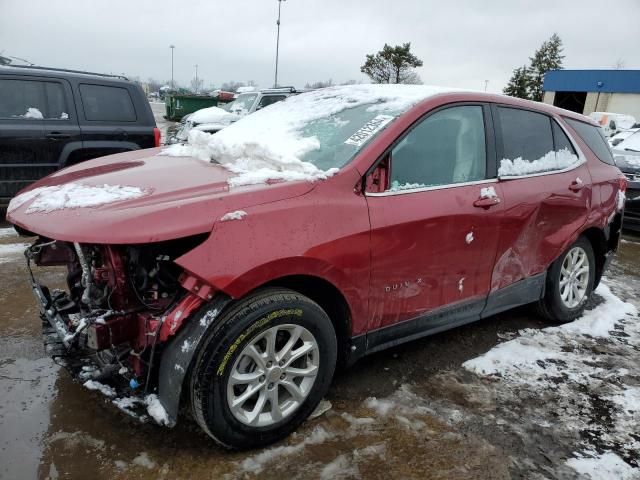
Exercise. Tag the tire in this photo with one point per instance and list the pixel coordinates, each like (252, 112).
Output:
(273, 313)
(555, 306)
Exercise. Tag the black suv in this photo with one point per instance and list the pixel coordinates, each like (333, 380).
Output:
(51, 118)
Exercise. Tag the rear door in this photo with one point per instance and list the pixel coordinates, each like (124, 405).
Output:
(60, 122)
(434, 231)
(546, 188)
(24, 155)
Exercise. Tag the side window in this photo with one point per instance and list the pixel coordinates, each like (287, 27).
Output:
(22, 99)
(526, 135)
(594, 139)
(56, 105)
(105, 103)
(561, 140)
(528, 144)
(269, 99)
(445, 148)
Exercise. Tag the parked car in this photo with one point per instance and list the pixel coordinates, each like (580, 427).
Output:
(249, 102)
(53, 118)
(208, 120)
(623, 135)
(627, 156)
(613, 123)
(324, 228)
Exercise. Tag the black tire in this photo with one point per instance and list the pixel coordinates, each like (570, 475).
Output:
(551, 305)
(237, 327)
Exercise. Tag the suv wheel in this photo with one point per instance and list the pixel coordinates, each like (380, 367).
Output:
(569, 284)
(264, 369)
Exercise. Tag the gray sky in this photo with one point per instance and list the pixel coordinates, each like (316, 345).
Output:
(461, 42)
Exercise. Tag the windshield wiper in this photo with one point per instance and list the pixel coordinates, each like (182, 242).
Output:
(631, 150)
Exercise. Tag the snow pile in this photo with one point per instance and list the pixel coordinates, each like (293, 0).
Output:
(8, 232)
(340, 467)
(156, 410)
(73, 195)
(33, 113)
(488, 192)
(582, 375)
(606, 466)
(237, 215)
(270, 144)
(106, 390)
(143, 460)
(551, 161)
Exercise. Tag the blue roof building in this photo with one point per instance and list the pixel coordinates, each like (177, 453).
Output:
(586, 91)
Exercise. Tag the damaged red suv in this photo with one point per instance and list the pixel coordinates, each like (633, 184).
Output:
(232, 274)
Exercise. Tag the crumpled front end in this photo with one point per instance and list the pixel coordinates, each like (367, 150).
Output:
(118, 317)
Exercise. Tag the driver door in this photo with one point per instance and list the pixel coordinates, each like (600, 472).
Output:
(435, 227)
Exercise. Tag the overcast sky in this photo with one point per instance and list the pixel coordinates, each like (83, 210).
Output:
(461, 42)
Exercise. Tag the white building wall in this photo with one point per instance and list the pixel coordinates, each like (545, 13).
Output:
(628, 103)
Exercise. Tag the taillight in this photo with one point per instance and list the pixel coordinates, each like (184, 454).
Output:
(156, 136)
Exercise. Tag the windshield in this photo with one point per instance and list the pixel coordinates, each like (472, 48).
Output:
(243, 103)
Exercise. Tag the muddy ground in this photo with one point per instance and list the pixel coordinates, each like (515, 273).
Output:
(413, 411)
(409, 412)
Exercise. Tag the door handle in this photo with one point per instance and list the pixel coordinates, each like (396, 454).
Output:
(58, 135)
(486, 202)
(576, 185)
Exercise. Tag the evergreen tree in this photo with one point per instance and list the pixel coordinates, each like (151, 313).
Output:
(547, 57)
(392, 65)
(518, 85)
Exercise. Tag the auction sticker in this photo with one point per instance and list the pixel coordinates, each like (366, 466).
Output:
(369, 129)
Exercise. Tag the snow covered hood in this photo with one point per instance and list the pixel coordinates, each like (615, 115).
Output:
(271, 143)
(136, 197)
(212, 115)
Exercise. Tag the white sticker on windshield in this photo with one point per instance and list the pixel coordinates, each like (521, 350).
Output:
(369, 129)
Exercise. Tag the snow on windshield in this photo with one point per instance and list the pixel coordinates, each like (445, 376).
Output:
(631, 144)
(551, 161)
(303, 137)
(73, 195)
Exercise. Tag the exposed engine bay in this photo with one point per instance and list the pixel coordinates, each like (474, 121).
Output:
(121, 305)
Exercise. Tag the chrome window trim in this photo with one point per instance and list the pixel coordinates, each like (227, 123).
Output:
(390, 193)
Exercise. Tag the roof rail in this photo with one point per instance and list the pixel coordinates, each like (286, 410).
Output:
(289, 89)
(66, 70)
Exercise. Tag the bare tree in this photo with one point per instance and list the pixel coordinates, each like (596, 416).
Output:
(320, 84)
(231, 86)
(196, 84)
(620, 64)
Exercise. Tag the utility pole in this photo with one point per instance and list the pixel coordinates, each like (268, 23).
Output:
(196, 78)
(275, 83)
(486, 82)
(173, 86)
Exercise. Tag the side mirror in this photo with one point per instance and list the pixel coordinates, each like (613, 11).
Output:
(377, 180)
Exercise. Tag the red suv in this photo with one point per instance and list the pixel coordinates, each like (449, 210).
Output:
(234, 273)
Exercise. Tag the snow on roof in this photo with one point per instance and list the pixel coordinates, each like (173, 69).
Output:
(270, 143)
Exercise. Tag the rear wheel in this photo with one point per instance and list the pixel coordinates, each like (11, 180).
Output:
(264, 369)
(570, 281)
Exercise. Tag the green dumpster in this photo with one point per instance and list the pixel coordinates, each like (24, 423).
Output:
(179, 105)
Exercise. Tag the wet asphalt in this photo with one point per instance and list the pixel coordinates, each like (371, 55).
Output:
(450, 423)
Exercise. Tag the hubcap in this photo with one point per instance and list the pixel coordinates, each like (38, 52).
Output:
(574, 277)
(273, 375)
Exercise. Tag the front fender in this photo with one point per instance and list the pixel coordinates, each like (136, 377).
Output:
(180, 351)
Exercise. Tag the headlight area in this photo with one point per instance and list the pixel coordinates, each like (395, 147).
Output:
(121, 305)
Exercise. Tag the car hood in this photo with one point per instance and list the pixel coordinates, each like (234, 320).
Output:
(173, 197)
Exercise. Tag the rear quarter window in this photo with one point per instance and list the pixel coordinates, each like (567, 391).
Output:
(107, 103)
(594, 138)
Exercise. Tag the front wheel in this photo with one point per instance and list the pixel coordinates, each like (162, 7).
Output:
(570, 281)
(264, 369)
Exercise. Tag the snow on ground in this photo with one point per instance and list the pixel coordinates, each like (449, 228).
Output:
(607, 466)
(156, 410)
(270, 144)
(551, 161)
(584, 377)
(9, 252)
(106, 390)
(7, 232)
(73, 195)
